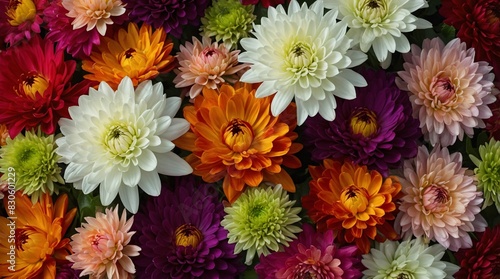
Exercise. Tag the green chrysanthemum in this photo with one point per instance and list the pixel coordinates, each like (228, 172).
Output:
(260, 220)
(488, 172)
(228, 21)
(33, 161)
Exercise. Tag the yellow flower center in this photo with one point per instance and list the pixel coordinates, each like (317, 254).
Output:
(121, 141)
(22, 238)
(132, 60)
(372, 12)
(364, 122)
(19, 11)
(188, 235)
(238, 135)
(32, 83)
(354, 199)
(301, 60)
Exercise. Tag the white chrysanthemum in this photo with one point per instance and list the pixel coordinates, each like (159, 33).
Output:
(408, 259)
(303, 54)
(380, 23)
(121, 140)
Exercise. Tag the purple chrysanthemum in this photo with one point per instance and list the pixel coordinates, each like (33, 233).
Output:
(172, 15)
(64, 271)
(313, 254)
(181, 236)
(376, 129)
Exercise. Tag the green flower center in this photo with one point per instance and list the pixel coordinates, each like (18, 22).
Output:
(301, 60)
(256, 210)
(372, 11)
(120, 140)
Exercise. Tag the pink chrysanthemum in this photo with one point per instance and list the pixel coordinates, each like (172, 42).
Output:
(440, 201)
(206, 64)
(449, 91)
(20, 19)
(101, 246)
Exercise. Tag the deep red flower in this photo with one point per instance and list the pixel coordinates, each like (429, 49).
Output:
(478, 25)
(493, 123)
(36, 88)
(265, 3)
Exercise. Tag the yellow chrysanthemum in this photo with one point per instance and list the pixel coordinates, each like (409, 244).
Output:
(140, 54)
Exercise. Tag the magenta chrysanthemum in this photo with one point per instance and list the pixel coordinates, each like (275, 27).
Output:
(449, 91)
(20, 19)
(172, 15)
(181, 235)
(311, 255)
(376, 129)
(440, 201)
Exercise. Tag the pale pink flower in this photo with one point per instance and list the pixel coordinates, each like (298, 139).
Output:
(101, 247)
(206, 64)
(449, 91)
(440, 201)
(93, 13)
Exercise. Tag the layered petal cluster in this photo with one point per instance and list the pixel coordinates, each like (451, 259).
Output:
(20, 19)
(36, 88)
(181, 236)
(493, 123)
(440, 200)
(380, 24)
(39, 240)
(449, 90)
(261, 220)
(140, 54)
(101, 246)
(34, 162)
(302, 54)
(233, 137)
(488, 172)
(483, 258)
(172, 15)
(478, 25)
(408, 259)
(311, 255)
(354, 202)
(206, 65)
(376, 129)
(121, 140)
(4, 134)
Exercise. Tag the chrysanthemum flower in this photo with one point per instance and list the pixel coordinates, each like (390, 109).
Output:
(235, 138)
(121, 140)
(440, 201)
(181, 235)
(36, 88)
(408, 259)
(228, 21)
(478, 25)
(488, 172)
(64, 271)
(140, 54)
(206, 65)
(352, 201)
(34, 160)
(482, 260)
(449, 91)
(303, 54)
(39, 228)
(101, 246)
(376, 129)
(311, 255)
(380, 24)
(20, 19)
(172, 15)
(93, 13)
(261, 220)
(4, 134)
(493, 123)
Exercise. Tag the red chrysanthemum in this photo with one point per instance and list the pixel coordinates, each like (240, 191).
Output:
(478, 25)
(493, 123)
(36, 88)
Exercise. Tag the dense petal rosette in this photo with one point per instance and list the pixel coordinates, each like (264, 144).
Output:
(488, 172)
(353, 202)
(303, 54)
(121, 140)
(20, 19)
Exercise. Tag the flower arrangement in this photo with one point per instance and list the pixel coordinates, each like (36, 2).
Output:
(249, 139)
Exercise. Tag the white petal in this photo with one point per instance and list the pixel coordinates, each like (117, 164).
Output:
(171, 164)
(280, 102)
(109, 187)
(150, 183)
(172, 106)
(132, 176)
(265, 89)
(147, 160)
(130, 198)
(178, 127)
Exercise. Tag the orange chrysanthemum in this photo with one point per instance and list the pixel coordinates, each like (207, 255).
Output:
(140, 54)
(36, 232)
(352, 201)
(234, 137)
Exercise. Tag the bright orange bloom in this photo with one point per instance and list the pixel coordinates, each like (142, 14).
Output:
(352, 201)
(139, 54)
(35, 233)
(234, 137)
